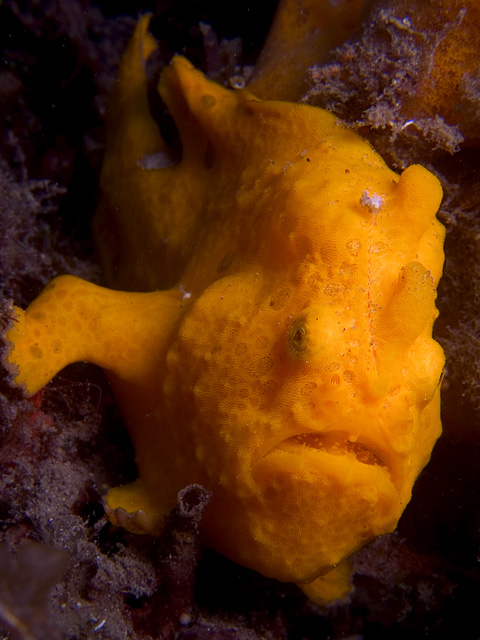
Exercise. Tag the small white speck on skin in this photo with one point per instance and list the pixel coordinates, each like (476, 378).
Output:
(184, 294)
(237, 82)
(372, 201)
(154, 161)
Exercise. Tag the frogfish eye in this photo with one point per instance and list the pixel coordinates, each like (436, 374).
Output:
(298, 335)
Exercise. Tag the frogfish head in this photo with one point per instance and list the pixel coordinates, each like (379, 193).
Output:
(314, 377)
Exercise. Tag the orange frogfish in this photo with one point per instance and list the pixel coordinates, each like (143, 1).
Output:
(277, 348)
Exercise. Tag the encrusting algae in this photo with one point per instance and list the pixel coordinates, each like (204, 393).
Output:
(277, 346)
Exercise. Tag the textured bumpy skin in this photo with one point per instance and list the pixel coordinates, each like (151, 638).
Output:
(281, 353)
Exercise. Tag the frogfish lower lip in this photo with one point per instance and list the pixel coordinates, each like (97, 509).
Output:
(333, 443)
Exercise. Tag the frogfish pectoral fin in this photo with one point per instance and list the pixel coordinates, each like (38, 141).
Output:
(73, 320)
